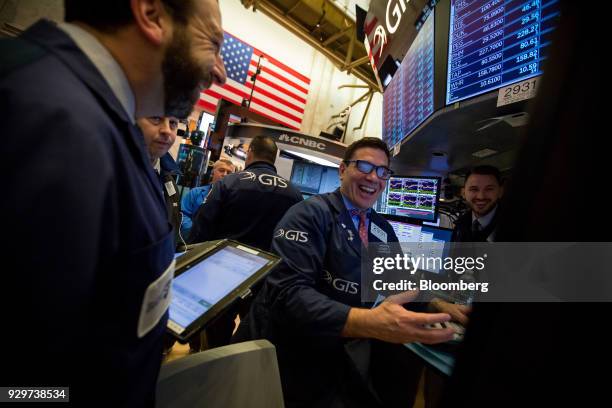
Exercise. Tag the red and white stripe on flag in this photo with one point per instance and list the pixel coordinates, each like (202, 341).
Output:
(279, 93)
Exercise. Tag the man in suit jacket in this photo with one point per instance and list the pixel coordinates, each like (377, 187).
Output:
(90, 253)
(310, 305)
(482, 191)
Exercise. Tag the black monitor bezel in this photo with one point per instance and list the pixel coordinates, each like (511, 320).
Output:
(195, 256)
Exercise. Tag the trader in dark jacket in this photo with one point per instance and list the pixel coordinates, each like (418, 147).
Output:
(89, 250)
(246, 206)
(160, 134)
(310, 305)
(482, 191)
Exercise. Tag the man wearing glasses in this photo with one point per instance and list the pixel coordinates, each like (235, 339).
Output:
(310, 305)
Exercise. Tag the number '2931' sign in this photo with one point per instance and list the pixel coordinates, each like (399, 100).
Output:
(518, 91)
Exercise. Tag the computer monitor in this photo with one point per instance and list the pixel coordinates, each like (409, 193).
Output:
(411, 197)
(209, 279)
(409, 97)
(407, 232)
(497, 43)
(414, 233)
(313, 178)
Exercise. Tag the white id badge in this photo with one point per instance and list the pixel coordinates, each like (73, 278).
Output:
(156, 301)
(378, 232)
(170, 188)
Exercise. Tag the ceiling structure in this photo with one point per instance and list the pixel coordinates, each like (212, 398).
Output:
(463, 135)
(324, 25)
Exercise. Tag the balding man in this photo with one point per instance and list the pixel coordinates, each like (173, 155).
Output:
(246, 206)
(195, 197)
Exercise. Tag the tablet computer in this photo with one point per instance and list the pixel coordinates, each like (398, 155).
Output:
(210, 278)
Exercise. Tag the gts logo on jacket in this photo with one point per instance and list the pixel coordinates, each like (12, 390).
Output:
(341, 285)
(265, 179)
(291, 235)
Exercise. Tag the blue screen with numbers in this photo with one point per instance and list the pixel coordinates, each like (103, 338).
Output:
(409, 98)
(495, 43)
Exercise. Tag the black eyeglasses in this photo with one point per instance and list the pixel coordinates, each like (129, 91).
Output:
(383, 172)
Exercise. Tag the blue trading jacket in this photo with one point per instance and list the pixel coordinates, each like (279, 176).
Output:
(304, 303)
(87, 224)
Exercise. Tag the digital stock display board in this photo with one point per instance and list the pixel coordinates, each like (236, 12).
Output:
(409, 98)
(495, 43)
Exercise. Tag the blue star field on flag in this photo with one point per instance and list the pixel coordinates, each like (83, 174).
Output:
(237, 57)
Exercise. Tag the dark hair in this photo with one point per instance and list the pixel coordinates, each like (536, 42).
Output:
(372, 142)
(485, 170)
(106, 15)
(263, 148)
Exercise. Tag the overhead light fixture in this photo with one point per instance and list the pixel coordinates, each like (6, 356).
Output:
(313, 159)
(481, 154)
(515, 120)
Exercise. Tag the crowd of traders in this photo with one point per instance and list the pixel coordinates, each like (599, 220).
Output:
(92, 219)
(318, 329)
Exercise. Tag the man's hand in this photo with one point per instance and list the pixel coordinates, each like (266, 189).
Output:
(459, 313)
(392, 323)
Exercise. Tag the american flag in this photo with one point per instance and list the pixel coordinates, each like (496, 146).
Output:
(279, 93)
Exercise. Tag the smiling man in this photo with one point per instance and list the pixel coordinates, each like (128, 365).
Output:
(482, 192)
(90, 243)
(310, 305)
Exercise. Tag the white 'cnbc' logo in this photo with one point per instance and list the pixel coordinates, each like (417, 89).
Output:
(301, 141)
(292, 235)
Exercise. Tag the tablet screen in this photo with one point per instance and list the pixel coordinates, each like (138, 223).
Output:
(204, 284)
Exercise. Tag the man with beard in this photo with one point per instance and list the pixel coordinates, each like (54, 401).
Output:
(89, 248)
(482, 191)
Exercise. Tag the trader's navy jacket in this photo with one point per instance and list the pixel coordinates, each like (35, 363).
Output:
(245, 206)
(304, 303)
(86, 230)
